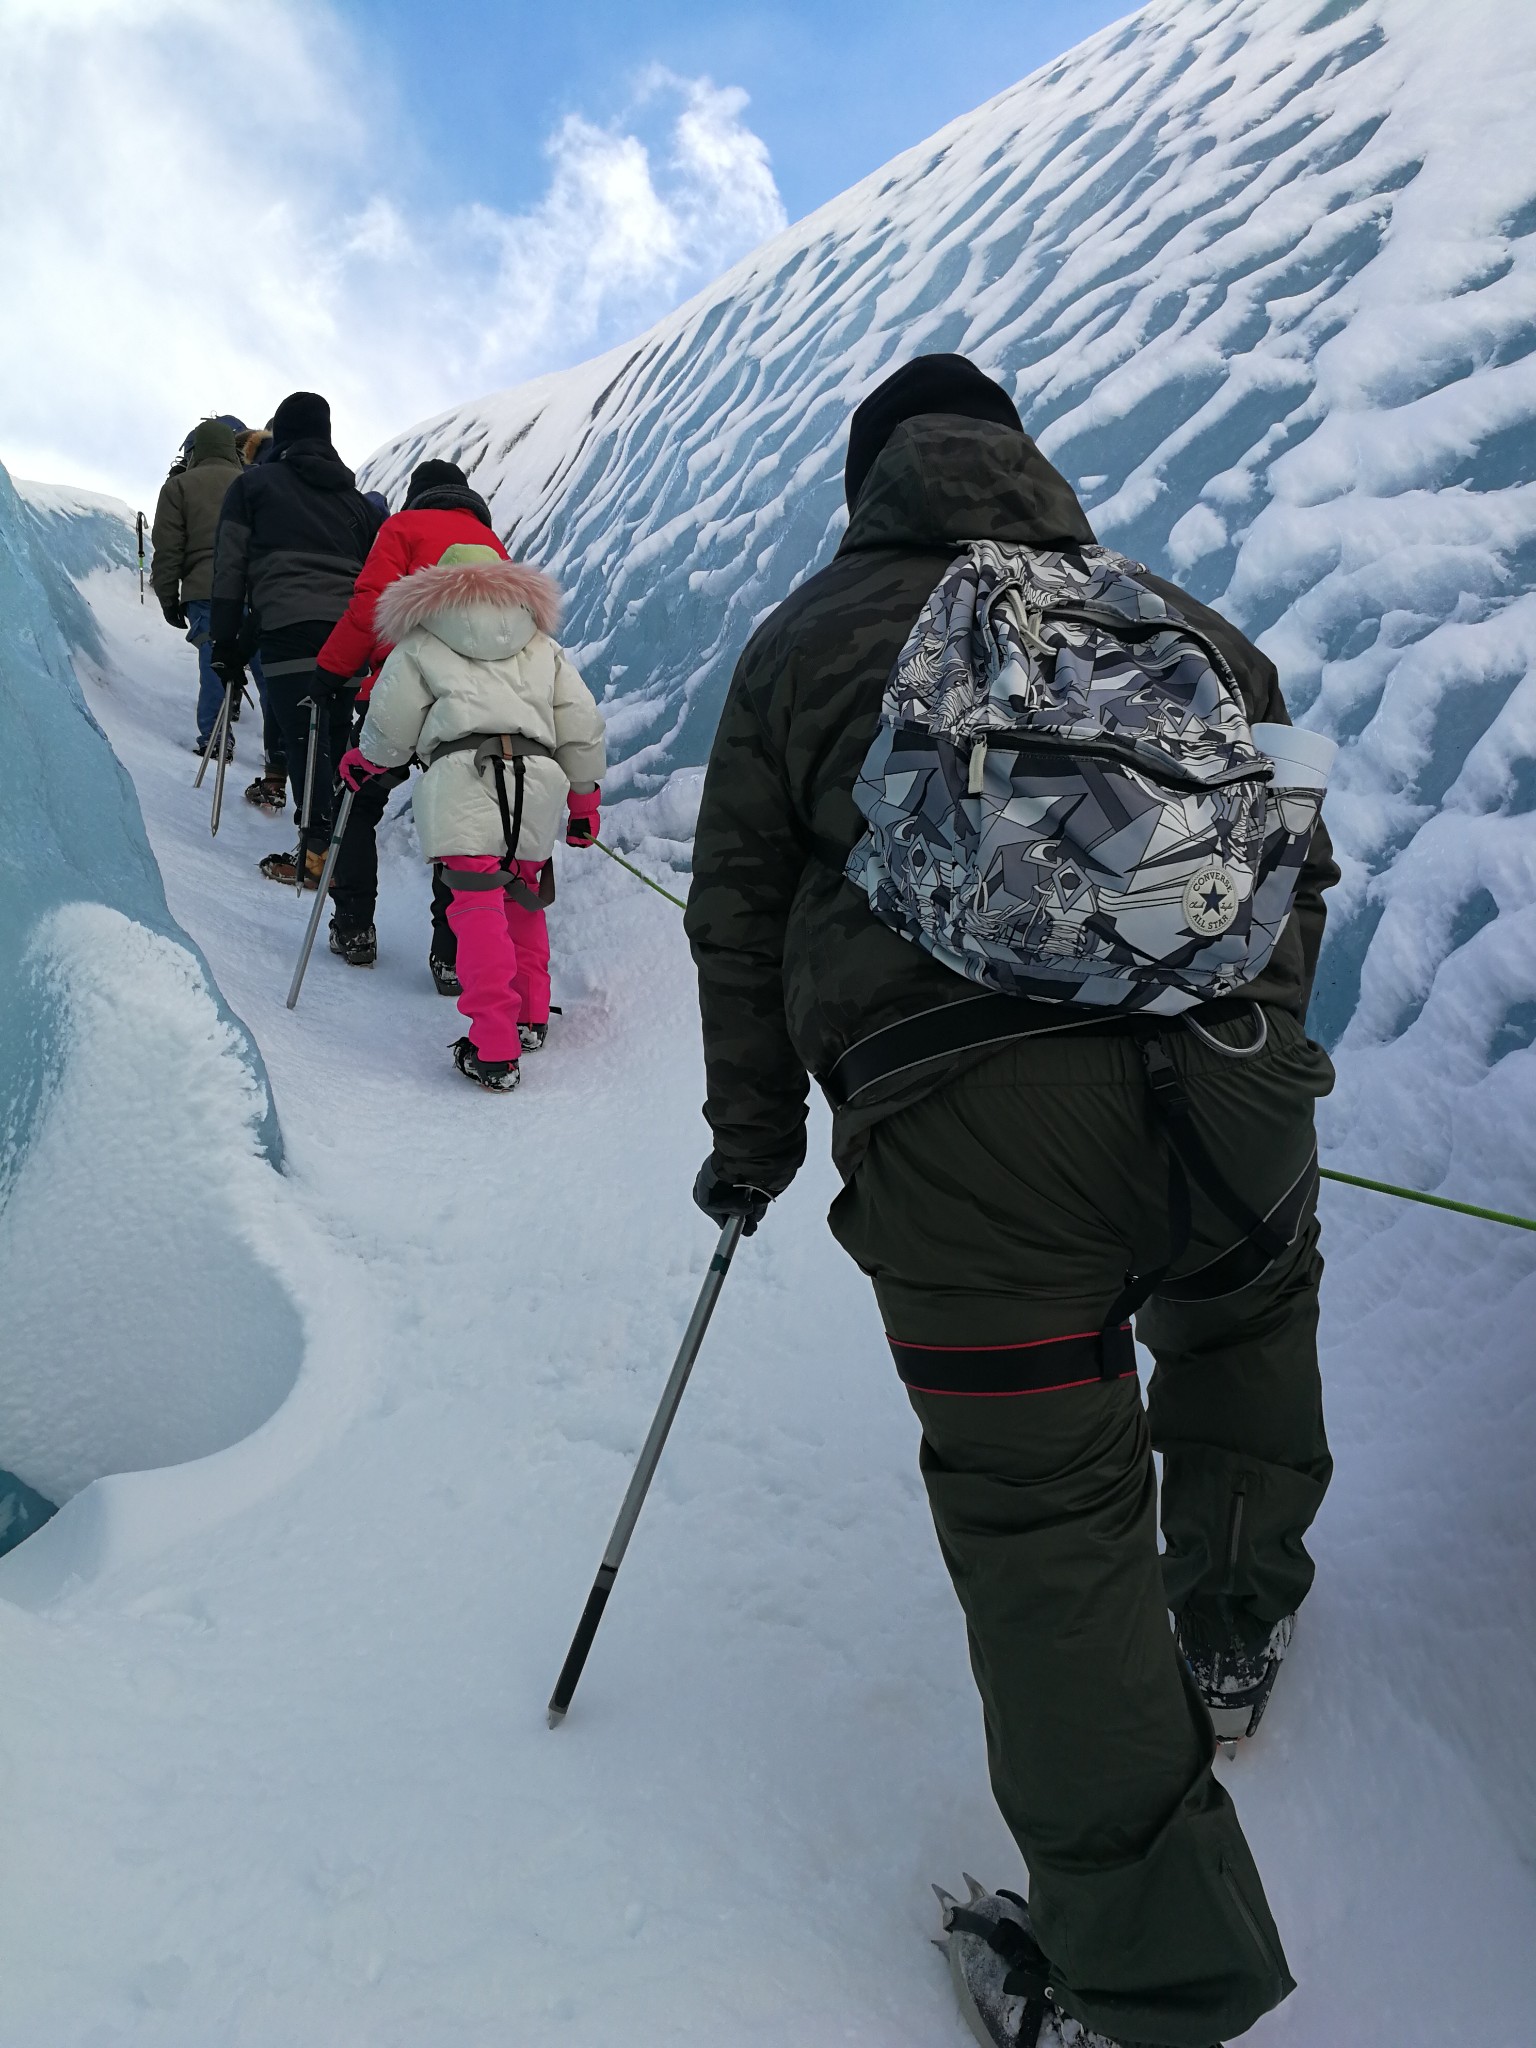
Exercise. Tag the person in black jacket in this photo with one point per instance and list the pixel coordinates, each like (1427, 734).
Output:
(999, 1196)
(293, 533)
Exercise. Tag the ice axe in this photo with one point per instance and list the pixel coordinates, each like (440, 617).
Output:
(140, 526)
(338, 833)
(645, 1471)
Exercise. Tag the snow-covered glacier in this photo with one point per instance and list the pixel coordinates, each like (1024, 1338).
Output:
(1261, 275)
(140, 1329)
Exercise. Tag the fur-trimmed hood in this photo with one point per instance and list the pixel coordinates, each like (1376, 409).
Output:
(483, 609)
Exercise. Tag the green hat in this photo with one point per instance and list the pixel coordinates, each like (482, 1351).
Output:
(213, 441)
(464, 552)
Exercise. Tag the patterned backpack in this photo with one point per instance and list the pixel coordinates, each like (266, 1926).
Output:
(1064, 796)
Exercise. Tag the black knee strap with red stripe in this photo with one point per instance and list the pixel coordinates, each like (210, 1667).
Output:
(1048, 1365)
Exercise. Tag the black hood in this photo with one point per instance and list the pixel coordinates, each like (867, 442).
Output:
(941, 480)
(938, 383)
(450, 498)
(318, 464)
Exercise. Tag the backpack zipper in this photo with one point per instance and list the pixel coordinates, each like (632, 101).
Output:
(1011, 739)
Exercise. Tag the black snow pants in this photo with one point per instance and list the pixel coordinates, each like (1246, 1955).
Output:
(998, 1219)
(293, 681)
(355, 884)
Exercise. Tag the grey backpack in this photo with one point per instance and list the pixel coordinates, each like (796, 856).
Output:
(1064, 796)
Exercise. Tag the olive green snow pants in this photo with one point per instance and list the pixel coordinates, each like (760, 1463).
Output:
(1004, 1211)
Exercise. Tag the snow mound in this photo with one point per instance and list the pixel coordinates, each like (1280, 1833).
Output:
(141, 1330)
(128, 1089)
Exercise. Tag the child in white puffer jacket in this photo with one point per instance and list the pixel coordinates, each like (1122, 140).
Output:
(512, 741)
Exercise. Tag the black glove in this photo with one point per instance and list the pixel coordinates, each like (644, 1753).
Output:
(721, 1199)
(175, 615)
(228, 662)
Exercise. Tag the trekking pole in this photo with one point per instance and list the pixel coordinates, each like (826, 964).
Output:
(623, 863)
(309, 788)
(215, 739)
(233, 692)
(338, 833)
(141, 557)
(645, 1471)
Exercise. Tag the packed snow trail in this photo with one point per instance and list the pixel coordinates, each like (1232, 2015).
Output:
(273, 1756)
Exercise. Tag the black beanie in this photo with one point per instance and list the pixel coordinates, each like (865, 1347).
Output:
(928, 384)
(435, 476)
(302, 416)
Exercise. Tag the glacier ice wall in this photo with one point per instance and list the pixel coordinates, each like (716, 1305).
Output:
(129, 1092)
(1261, 275)
(71, 533)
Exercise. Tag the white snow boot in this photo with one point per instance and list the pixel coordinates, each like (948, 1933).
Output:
(1001, 1977)
(1234, 1679)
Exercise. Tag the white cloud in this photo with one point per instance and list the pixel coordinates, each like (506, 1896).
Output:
(203, 207)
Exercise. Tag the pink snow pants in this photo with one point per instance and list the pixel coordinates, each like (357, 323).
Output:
(503, 956)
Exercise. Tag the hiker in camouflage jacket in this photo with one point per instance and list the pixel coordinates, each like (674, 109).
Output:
(997, 1200)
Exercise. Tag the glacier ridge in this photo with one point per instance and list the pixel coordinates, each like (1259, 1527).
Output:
(1261, 276)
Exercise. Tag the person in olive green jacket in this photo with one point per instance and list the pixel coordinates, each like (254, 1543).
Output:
(186, 520)
(999, 1198)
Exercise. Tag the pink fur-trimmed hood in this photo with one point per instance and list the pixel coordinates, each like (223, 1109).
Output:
(462, 587)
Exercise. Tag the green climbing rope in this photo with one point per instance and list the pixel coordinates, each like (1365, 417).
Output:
(1385, 1187)
(1353, 1180)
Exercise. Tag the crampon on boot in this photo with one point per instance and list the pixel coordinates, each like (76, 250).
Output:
(501, 1075)
(532, 1036)
(201, 746)
(1001, 1976)
(445, 976)
(283, 867)
(1234, 1678)
(267, 792)
(358, 948)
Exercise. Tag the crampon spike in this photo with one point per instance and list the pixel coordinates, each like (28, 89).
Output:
(977, 1891)
(945, 1899)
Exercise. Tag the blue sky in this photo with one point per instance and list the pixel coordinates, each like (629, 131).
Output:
(836, 88)
(408, 205)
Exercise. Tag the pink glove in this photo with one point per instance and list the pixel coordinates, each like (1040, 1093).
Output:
(355, 768)
(582, 825)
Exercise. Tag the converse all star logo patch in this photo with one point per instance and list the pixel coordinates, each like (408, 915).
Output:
(1210, 902)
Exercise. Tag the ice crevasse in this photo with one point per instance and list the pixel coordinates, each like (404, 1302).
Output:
(142, 1328)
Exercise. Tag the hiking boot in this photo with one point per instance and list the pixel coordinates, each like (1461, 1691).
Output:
(283, 867)
(532, 1036)
(502, 1075)
(201, 746)
(1234, 1678)
(267, 792)
(358, 948)
(1001, 1976)
(445, 976)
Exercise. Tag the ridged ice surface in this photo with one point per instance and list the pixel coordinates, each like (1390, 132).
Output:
(1262, 277)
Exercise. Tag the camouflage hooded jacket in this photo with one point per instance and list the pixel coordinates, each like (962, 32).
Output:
(793, 967)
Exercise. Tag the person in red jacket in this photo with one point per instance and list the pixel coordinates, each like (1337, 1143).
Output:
(440, 509)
